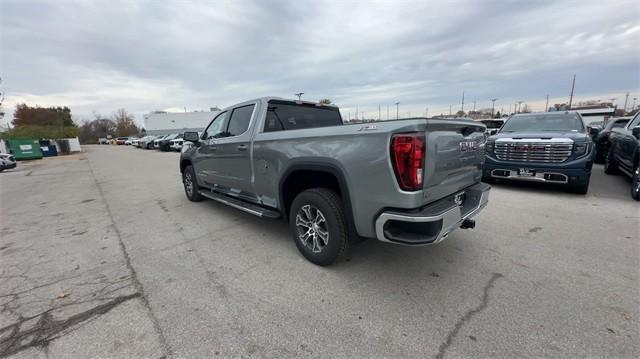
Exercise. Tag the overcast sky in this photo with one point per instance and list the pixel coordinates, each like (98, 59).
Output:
(149, 55)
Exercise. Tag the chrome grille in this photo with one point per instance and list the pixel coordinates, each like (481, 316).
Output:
(533, 151)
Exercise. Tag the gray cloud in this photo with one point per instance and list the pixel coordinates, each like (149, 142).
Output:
(150, 55)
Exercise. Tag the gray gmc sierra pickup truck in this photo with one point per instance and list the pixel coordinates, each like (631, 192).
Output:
(409, 181)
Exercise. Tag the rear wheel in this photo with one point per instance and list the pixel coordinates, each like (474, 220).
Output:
(191, 188)
(610, 165)
(318, 225)
(635, 183)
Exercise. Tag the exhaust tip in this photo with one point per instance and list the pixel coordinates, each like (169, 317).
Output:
(468, 224)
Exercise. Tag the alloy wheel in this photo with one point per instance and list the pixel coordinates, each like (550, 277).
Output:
(312, 228)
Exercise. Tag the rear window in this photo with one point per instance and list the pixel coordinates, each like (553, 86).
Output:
(561, 122)
(292, 116)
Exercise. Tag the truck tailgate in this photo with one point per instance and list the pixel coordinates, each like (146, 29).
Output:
(454, 157)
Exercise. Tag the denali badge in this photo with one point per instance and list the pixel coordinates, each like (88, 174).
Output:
(467, 146)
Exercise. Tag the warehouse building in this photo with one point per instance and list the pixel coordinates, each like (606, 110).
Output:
(162, 123)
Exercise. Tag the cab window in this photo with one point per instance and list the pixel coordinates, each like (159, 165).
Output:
(216, 128)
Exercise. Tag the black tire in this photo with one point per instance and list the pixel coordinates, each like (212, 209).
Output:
(581, 188)
(610, 165)
(600, 154)
(487, 179)
(635, 183)
(190, 184)
(332, 223)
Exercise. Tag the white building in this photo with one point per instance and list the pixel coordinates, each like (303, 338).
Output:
(162, 123)
(590, 115)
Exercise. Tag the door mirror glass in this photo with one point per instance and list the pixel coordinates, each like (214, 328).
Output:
(191, 136)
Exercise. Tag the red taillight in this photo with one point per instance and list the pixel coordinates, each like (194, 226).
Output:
(407, 153)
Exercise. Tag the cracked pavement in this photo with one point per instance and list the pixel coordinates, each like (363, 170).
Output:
(101, 255)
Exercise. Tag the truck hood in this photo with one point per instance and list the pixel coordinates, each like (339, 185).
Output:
(575, 136)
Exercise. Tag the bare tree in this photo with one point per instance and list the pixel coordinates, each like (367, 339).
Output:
(125, 124)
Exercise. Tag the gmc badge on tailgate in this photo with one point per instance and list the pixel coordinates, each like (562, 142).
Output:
(466, 146)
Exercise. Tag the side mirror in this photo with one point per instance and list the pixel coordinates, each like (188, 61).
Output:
(594, 130)
(191, 137)
(636, 132)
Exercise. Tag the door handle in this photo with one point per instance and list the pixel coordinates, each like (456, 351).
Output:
(242, 147)
(212, 147)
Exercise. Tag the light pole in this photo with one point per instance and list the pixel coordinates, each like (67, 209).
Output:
(397, 110)
(299, 94)
(634, 104)
(546, 107)
(519, 103)
(493, 105)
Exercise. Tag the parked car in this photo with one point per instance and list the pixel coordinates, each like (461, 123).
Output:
(121, 140)
(493, 125)
(103, 141)
(156, 141)
(602, 140)
(407, 181)
(134, 141)
(7, 161)
(129, 141)
(176, 144)
(593, 128)
(165, 143)
(624, 153)
(147, 142)
(549, 147)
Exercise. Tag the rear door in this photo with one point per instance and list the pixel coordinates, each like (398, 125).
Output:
(628, 144)
(454, 156)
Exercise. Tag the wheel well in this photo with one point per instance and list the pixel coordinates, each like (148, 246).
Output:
(302, 180)
(184, 164)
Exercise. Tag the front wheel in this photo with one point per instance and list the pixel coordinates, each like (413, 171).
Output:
(582, 188)
(318, 225)
(190, 183)
(610, 166)
(635, 183)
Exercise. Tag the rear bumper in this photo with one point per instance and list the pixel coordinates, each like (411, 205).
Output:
(433, 223)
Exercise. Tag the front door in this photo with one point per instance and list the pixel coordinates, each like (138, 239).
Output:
(207, 165)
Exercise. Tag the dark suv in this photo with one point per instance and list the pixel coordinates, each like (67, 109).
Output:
(602, 140)
(624, 153)
(548, 147)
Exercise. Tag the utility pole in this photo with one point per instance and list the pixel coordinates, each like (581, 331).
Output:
(573, 85)
(546, 107)
(462, 107)
(349, 116)
(449, 110)
(493, 105)
(634, 104)
(626, 98)
(379, 114)
(397, 110)
(387, 112)
(519, 103)
(299, 94)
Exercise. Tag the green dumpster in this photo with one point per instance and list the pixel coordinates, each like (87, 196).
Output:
(24, 149)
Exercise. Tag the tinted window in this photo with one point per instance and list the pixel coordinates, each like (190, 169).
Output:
(216, 127)
(544, 122)
(635, 122)
(291, 116)
(240, 118)
(619, 123)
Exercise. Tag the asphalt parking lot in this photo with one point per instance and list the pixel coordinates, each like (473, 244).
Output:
(101, 254)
